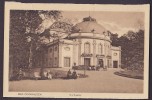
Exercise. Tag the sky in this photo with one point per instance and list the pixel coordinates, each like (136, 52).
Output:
(116, 22)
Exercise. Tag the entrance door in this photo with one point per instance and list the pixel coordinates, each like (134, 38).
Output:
(87, 61)
(66, 61)
(100, 62)
(115, 64)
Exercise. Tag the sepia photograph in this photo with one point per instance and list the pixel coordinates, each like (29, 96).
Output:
(76, 50)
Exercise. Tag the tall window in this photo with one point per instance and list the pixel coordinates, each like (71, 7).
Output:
(50, 62)
(100, 49)
(108, 47)
(50, 50)
(87, 48)
(55, 48)
(66, 61)
(55, 61)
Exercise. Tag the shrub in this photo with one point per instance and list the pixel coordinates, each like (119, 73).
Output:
(80, 67)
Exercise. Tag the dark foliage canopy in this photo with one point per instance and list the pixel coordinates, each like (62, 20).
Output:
(132, 46)
(23, 26)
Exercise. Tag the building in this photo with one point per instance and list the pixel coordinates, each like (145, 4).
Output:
(87, 44)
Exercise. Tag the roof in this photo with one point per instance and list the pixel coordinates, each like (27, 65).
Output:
(88, 24)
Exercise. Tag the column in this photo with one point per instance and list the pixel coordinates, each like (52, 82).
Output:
(119, 57)
(94, 52)
(74, 53)
(48, 57)
(105, 53)
(60, 55)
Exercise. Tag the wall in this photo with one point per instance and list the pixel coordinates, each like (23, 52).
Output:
(53, 56)
(66, 53)
(116, 55)
(105, 44)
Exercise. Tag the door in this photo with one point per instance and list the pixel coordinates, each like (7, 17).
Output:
(100, 62)
(66, 61)
(115, 64)
(87, 61)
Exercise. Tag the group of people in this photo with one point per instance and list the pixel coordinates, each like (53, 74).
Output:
(97, 68)
(71, 75)
(45, 75)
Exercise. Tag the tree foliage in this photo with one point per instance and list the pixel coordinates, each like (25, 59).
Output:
(132, 46)
(24, 26)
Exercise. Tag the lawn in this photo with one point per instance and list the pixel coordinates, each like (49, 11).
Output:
(130, 74)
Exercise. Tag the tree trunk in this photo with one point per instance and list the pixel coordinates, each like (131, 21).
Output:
(30, 56)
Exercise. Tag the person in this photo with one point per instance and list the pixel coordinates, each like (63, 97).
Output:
(42, 73)
(20, 74)
(105, 68)
(74, 74)
(69, 74)
(49, 75)
(98, 67)
(89, 67)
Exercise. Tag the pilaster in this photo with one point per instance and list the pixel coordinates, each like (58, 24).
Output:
(79, 52)
(94, 52)
(60, 55)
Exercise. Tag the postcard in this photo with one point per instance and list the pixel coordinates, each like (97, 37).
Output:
(61, 50)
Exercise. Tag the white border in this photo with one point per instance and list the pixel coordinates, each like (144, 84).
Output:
(76, 7)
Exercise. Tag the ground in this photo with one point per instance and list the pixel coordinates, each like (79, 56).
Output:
(97, 82)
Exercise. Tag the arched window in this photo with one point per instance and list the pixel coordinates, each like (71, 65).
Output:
(87, 48)
(100, 48)
(109, 50)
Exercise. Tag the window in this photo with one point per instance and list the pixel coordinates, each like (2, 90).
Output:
(66, 61)
(50, 50)
(50, 62)
(107, 49)
(87, 48)
(55, 48)
(100, 49)
(55, 61)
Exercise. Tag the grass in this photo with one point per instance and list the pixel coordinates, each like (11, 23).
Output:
(130, 74)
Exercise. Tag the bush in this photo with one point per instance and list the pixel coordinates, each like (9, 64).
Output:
(82, 76)
(130, 74)
(80, 67)
(58, 74)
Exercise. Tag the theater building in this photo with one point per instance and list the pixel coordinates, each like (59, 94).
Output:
(87, 44)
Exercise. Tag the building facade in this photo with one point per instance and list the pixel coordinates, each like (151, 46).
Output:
(87, 44)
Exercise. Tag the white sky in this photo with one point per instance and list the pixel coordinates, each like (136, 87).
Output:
(116, 22)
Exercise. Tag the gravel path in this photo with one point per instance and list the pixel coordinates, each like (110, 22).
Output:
(97, 82)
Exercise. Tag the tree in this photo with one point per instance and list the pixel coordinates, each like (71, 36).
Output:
(62, 28)
(24, 34)
(132, 46)
(114, 38)
(20, 21)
